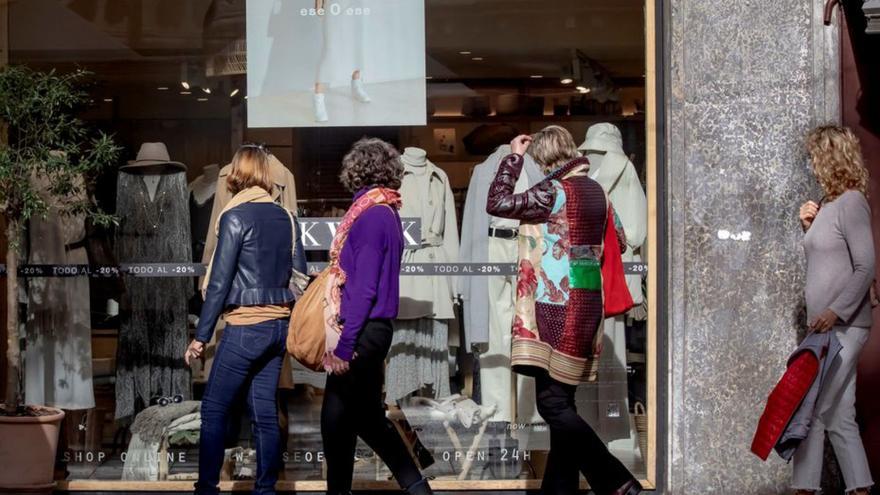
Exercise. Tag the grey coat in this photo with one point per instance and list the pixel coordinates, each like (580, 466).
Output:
(475, 243)
(825, 346)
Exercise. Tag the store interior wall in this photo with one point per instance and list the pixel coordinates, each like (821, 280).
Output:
(746, 83)
(860, 102)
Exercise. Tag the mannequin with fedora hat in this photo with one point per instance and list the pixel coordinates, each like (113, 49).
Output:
(604, 403)
(154, 227)
(419, 357)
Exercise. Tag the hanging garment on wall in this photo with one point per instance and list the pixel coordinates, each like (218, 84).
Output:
(58, 352)
(418, 359)
(154, 227)
(489, 301)
(604, 403)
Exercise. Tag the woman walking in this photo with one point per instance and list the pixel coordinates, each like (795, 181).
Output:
(840, 269)
(369, 260)
(248, 283)
(559, 305)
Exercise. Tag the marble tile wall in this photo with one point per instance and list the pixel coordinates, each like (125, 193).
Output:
(746, 80)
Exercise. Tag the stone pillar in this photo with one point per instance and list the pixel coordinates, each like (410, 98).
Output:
(746, 80)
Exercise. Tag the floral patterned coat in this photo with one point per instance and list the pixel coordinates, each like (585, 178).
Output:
(559, 301)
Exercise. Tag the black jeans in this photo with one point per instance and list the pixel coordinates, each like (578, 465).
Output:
(353, 407)
(574, 446)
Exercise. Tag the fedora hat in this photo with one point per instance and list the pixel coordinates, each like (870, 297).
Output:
(152, 155)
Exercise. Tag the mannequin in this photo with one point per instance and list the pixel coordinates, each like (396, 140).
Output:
(489, 301)
(201, 201)
(58, 353)
(419, 355)
(604, 403)
(153, 227)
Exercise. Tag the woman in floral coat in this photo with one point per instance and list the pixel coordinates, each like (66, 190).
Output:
(565, 221)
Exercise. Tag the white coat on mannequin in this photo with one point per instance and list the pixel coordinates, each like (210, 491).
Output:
(604, 403)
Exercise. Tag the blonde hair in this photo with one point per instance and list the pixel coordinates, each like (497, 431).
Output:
(553, 147)
(837, 161)
(250, 168)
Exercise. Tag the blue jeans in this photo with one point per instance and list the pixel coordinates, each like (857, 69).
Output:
(248, 362)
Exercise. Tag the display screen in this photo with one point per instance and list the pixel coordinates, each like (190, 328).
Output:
(335, 63)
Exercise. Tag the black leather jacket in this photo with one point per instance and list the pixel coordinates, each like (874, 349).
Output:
(252, 263)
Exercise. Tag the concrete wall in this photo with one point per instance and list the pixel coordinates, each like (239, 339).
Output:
(746, 80)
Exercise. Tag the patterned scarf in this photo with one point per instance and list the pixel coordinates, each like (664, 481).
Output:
(333, 295)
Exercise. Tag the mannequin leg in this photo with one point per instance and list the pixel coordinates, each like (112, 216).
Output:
(358, 91)
(320, 105)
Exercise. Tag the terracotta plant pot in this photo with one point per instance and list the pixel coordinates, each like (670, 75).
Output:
(27, 451)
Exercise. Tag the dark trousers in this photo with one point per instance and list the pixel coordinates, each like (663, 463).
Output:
(353, 408)
(574, 446)
(248, 362)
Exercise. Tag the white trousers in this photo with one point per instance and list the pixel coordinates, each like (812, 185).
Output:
(513, 395)
(835, 414)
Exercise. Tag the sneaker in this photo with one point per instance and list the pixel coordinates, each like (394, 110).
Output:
(358, 91)
(320, 108)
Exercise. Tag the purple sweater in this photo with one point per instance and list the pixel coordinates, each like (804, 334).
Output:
(371, 261)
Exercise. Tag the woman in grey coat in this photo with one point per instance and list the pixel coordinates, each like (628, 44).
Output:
(840, 269)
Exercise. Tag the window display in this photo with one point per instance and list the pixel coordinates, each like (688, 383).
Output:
(449, 86)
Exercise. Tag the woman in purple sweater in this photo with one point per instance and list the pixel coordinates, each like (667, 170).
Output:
(370, 260)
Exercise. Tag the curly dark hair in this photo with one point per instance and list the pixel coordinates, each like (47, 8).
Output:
(371, 163)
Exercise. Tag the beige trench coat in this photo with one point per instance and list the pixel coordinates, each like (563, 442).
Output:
(426, 194)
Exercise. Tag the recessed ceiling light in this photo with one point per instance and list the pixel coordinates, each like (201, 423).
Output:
(202, 99)
(186, 92)
(184, 84)
(162, 88)
(536, 76)
(464, 53)
(567, 80)
(429, 77)
(477, 59)
(207, 90)
(234, 92)
(108, 100)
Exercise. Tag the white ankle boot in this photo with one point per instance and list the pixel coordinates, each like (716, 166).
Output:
(358, 91)
(320, 108)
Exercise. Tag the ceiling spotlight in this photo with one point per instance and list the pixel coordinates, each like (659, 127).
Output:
(207, 90)
(202, 99)
(186, 92)
(477, 59)
(184, 84)
(536, 76)
(464, 53)
(233, 93)
(162, 88)
(108, 100)
(245, 97)
(567, 80)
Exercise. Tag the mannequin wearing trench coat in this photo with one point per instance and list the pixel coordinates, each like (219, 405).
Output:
(604, 403)
(419, 355)
(489, 301)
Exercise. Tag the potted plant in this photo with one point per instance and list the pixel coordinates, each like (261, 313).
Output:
(40, 137)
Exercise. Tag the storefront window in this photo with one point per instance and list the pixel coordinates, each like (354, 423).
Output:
(451, 81)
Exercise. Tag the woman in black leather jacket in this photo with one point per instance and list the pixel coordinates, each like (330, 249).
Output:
(249, 285)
